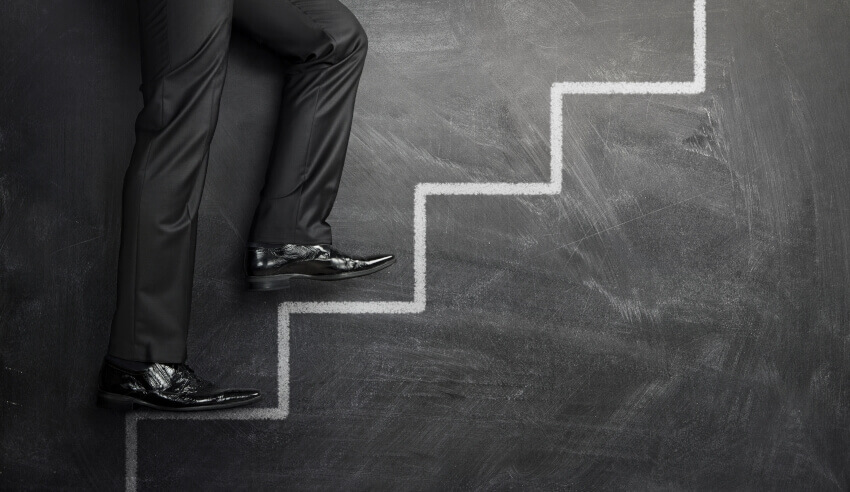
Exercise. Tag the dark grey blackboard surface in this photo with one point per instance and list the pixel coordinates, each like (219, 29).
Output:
(676, 319)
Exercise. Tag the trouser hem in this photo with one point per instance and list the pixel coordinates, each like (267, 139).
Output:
(301, 240)
(149, 355)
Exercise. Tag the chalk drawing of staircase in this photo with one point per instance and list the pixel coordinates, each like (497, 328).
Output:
(420, 221)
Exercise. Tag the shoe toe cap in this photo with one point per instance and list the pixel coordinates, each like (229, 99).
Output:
(242, 395)
(380, 260)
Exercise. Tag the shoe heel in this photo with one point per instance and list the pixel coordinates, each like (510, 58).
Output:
(114, 402)
(268, 283)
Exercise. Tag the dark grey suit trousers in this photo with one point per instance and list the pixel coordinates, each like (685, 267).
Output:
(184, 43)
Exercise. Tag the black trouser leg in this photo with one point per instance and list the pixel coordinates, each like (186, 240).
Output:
(184, 48)
(323, 48)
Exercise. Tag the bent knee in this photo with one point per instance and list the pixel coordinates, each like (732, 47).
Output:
(350, 38)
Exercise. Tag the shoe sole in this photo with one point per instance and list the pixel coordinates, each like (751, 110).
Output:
(123, 403)
(277, 282)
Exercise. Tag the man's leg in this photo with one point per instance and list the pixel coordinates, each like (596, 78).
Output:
(323, 48)
(184, 54)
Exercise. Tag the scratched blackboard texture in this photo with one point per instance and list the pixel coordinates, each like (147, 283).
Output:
(676, 318)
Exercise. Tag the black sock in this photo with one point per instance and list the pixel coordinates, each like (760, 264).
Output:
(252, 244)
(130, 365)
(263, 245)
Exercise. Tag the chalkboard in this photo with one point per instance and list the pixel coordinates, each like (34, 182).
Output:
(671, 313)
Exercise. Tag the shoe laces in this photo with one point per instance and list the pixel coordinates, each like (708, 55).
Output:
(185, 378)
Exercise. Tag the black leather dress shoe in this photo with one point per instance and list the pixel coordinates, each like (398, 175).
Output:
(166, 387)
(270, 268)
